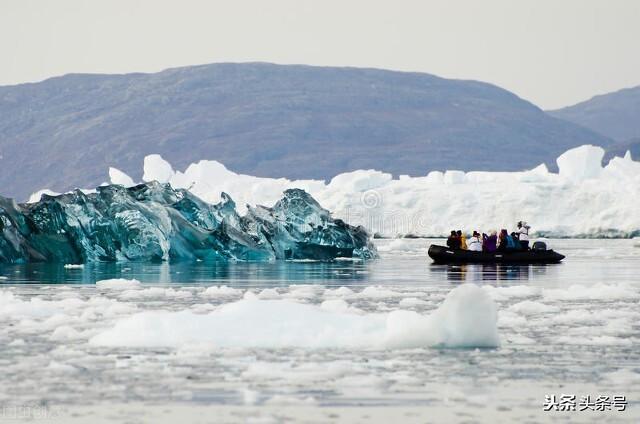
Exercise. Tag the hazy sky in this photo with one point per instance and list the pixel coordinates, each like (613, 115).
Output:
(551, 52)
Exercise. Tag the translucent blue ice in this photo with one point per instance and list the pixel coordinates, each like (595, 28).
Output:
(154, 222)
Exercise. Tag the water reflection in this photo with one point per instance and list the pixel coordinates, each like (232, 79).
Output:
(231, 274)
(488, 272)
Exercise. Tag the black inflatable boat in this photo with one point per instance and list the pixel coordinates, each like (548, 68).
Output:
(444, 255)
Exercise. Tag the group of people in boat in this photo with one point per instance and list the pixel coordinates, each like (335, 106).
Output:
(492, 242)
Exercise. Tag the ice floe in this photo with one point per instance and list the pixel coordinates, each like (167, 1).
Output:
(467, 318)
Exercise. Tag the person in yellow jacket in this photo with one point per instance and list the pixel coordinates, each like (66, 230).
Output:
(463, 240)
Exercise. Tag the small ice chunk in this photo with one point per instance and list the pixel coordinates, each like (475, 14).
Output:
(118, 284)
(157, 169)
(118, 177)
(408, 302)
(530, 307)
(221, 291)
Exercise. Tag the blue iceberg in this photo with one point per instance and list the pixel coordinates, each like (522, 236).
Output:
(155, 222)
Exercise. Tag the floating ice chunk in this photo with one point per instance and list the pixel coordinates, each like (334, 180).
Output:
(624, 376)
(512, 319)
(221, 291)
(118, 284)
(155, 292)
(598, 291)
(56, 366)
(576, 316)
(15, 307)
(338, 305)
(267, 294)
(284, 400)
(116, 176)
(409, 302)
(595, 341)
(581, 162)
(379, 292)
(505, 293)
(530, 307)
(467, 318)
(157, 169)
(65, 332)
(306, 291)
(339, 292)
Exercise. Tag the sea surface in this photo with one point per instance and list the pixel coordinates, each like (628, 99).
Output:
(571, 329)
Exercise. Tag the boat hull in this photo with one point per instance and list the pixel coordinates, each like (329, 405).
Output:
(444, 255)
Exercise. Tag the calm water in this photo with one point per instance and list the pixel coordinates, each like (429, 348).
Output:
(567, 328)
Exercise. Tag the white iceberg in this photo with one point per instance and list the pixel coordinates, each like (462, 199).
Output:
(583, 199)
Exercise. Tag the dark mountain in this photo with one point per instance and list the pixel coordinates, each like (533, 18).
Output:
(615, 115)
(268, 120)
(619, 149)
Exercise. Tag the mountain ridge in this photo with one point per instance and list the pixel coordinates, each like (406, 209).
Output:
(295, 121)
(614, 115)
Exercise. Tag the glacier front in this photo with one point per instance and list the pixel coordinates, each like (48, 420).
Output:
(585, 199)
(155, 222)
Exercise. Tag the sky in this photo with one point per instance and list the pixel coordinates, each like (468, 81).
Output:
(553, 53)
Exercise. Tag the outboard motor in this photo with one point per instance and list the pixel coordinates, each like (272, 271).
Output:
(539, 246)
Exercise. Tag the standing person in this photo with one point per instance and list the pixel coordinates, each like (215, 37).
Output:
(475, 243)
(490, 242)
(453, 242)
(502, 240)
(523, 235)
(463, 240)
(512, 242)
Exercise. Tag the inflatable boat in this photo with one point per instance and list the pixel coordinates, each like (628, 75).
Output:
(444, 255)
